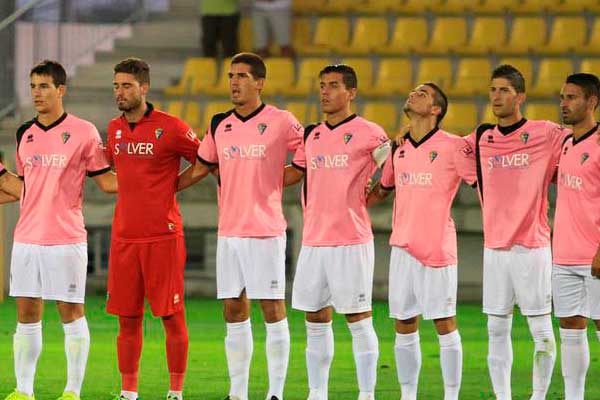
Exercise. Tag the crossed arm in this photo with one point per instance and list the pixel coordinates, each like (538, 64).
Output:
(10, 187)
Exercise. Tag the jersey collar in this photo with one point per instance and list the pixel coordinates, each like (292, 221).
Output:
(52, 125)
(586, 135)
(251, 115)
(332, 127)
(423, 139)
(506, 130)
(149, 110)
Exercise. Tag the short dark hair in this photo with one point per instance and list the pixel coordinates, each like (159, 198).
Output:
(258, 69)
(348, 74)
(589, 83)
(136, 67)
(513, 75)
(439, 100)
(53, 69)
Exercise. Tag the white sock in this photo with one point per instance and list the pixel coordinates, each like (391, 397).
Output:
(129, 395)
(77, 348)
(27, 346)
(238, 348)
(176, 393)
(500, 354)
(407, 350)
(278, 354)
(451, 362)
(544, 354)
(575, 360)
(366, 353)
(319, 354)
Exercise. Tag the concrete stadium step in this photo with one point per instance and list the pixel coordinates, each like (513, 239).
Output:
(151, 55)
(163, 34)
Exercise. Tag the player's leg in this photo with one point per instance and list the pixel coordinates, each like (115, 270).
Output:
(531, 274)
(593, 290)
(498, 303)
(571, 307)
(451, 356)
(405, 282)
(312, 295)
(177, 343)
(277, 345)
(77, 344)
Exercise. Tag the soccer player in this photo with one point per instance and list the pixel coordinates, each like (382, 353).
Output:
(335, 266)
(249, 144)
(515, 161)
(423, 263)
(147, 252)
(576, 240)
(55, 151)
(10, 186)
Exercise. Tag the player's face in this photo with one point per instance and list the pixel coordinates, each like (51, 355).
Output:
(335, 96)
(504, 99)
(129, 93)
(420, 101)
(242, 85)
(574, 105)
(45, 95)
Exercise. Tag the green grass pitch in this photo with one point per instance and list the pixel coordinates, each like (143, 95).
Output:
(207, 374)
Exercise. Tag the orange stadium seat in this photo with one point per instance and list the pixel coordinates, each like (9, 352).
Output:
(383, 114)
(394, 77)
(211, 108)
(593, 44)
(305, 113)
(436, 70)
(461, 118)
(449, 33)
(528, 34)
(487, 36)
(331, 34)
(364, 71)
(368, 33)
(308, 77)
(198, 74)
(497, 6)
(472, 77)
(551, 76)
(221, 88)
(409, 36)
(524, 65)
(543, 111)
(280, 75)
(568, 34)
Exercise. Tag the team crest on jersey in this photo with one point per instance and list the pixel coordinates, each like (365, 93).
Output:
(159, 132)
(118, 134)
(347, 137)
(262, 127)
(584, 157)
(65, 137)
(433, 155)
(524, 137)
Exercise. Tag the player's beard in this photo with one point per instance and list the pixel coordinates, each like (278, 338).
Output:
(131, 105)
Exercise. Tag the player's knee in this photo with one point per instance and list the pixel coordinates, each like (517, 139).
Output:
(499, 326)
(70, 312)
(273, 310)
(130, 327)
(543, 335)
(175, 326)
(573, 323)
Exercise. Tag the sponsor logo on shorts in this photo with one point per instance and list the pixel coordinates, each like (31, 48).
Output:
(176, 298)
(72, 288)
(274, 284)
(362, 298)
(171, 226)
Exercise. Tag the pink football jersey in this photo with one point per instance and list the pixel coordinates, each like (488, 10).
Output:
(251, 153)
(577, 219)
(515, 166)
(338, 162)
(426, 176)
(2, 169)
(53, 161)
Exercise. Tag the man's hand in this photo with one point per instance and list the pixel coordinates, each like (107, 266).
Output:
(596, 265)
(399, 139)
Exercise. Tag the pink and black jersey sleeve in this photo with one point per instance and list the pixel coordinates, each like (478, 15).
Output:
(387, 173)
(299, 160)
(2, 169)
(95, 158)
(185, 142)
(295, 133)
(465, 162)
(207, 152)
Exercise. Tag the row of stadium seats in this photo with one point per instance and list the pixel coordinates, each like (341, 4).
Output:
(388, 77)
(413, 35)
(442, 6)
(461, 118)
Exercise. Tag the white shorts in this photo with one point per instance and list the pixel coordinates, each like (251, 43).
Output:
(416, 289)
(55, 272)
(254, 264)
(340, 276)
(575, 292)
(519, 275)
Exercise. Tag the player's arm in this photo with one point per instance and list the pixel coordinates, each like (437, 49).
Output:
(596, 264)
(107, 182)
(10, 187)
(378, 194)
(292, 174)
(193, 174)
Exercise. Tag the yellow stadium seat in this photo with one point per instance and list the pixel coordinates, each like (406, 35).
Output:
(221, 88)
(449, 33)
(301, 32)
(375, 6)
(524, 66)
(394, 77)
(306, 6)
(245, 35)
(593, 44)
(472, 77)
(536, 6)
(198, 74)
(488, 115)
(528, 33)
(364, 71)
(551, 75)
(339, 7)
(542, 111)
(416, 6)
(158, 105)
(280, 75)
(305, 113)
(192, 115)
(591, 65)
(436, 70)
(409, 36)
(568, 34)
(331, 34)
(456, 6)
(461, 118)
(487, 36)
(383, 114)
(308, 77)
(368, 33)
(564, 6)
(497, 6)
(212, 108)
(175, 108)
